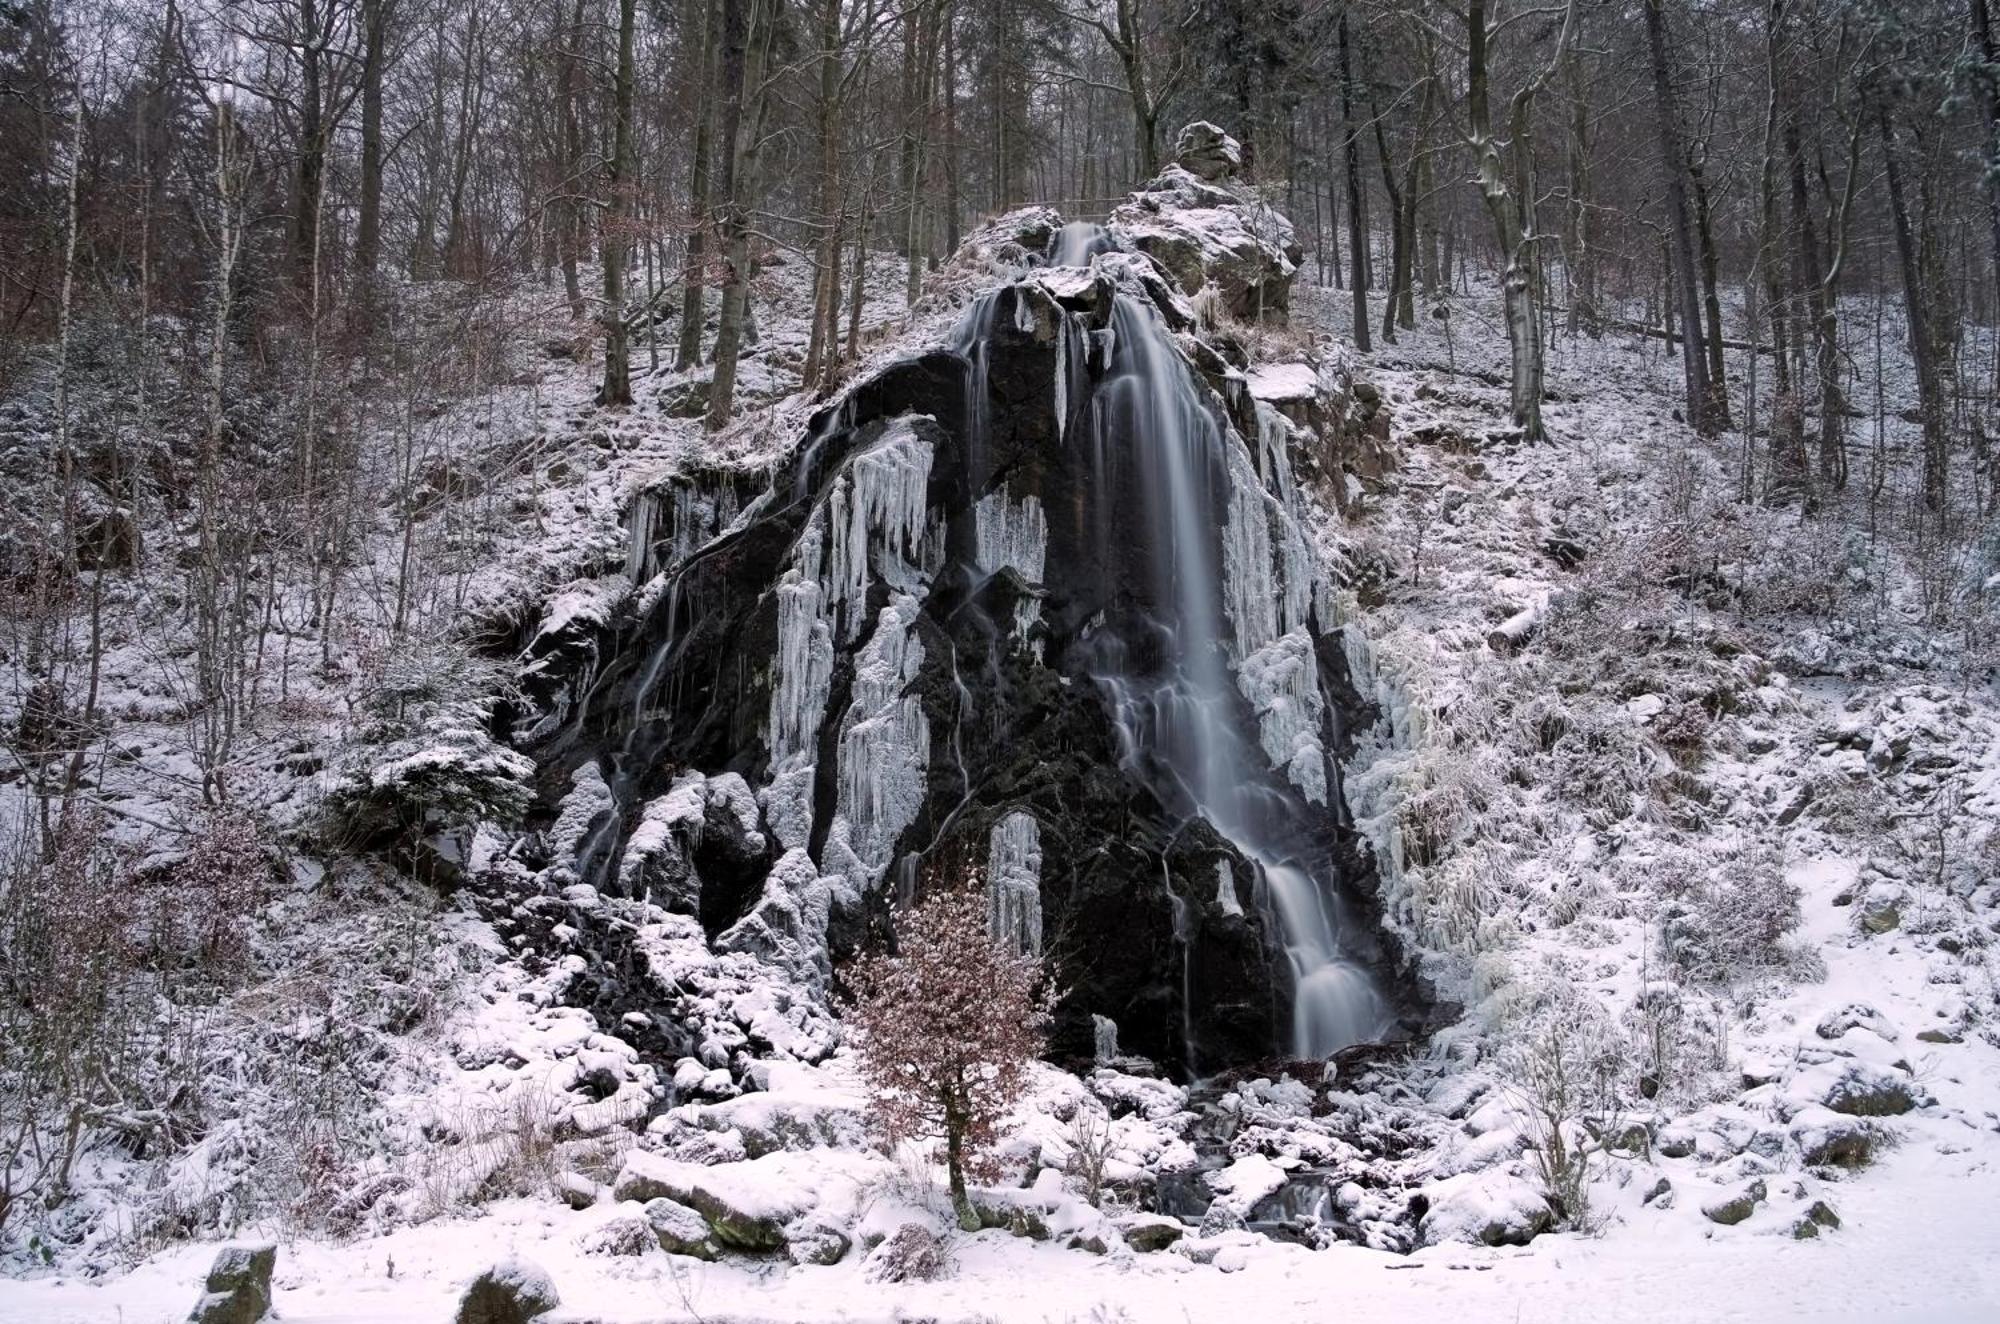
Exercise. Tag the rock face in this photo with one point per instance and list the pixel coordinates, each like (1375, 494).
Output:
(1038, 600)
(238, 1290)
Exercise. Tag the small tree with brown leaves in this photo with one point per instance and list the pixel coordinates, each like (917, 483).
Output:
(945, 1028)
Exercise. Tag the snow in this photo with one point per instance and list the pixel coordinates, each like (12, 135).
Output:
(1283, 383)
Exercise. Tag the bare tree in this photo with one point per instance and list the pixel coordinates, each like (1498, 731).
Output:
(946, 1027)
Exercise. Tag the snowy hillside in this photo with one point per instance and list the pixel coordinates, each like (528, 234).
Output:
(1485, 879)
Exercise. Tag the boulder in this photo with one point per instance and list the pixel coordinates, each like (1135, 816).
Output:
(1827, 1138)
(238, 1290)
(513, 1291)
(1855, 1015)
(1862, 1090)
(678, 1229)
(1881, 908)
(1818, 1216)
(1206, 152)
(1494, 1208)
(811, 1240)
(576, 1190)
(1734, 1209)
(626, 1235)
(1150, 1232)
(745, 1205)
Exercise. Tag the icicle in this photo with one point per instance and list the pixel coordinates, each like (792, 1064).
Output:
(1104, 1033)
(884, 751)
(1014, 883)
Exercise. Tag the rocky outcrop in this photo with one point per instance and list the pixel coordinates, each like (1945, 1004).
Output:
(872, 665)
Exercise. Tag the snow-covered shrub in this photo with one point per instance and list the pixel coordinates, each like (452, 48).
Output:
(72, 1010)
(1724, 918)
(194, 925)
(421, 756)
(1565, 1064)
(1601, 766)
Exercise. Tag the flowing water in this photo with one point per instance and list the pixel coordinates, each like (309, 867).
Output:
(1179, 714)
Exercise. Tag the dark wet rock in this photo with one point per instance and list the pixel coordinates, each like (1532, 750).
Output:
(1862, 1090)
(1151, 1232)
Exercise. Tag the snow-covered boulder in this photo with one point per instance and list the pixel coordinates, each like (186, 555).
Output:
(513, 1291)
(1495, 1208)
(1206, 152)
(238, 1290)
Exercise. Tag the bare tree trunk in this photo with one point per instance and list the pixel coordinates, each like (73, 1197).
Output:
(1989, 110)
(700, 198)
(1923, 343)
(375, 18)
(571, 213)
(1711, 302)
(1510, 202)
(617, 388)
(1680, 228)
(1357, 214)
(746, 37)
(823, 342)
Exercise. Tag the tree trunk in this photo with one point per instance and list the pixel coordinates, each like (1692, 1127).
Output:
(1711, 302)
(954, 1162)
(570, 211)
(375, 17)
(1923, 342)
(312, 147)
(1680, 228)
(700, 197)
(617, 388)
(1989, 110)
(823, 341)
(1511, 205)
(1357, 214)
(746, 36)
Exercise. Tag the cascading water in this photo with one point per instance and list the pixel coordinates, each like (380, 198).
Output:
(1182, 715)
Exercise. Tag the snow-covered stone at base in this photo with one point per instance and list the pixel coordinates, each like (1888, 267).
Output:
(678, 1229)
(513, 1291)
(749, 1205)
(1494, 1208)
(1244, 1184)
(238, 1288)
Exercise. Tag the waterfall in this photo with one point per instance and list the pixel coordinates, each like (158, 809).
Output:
(1182, 715)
